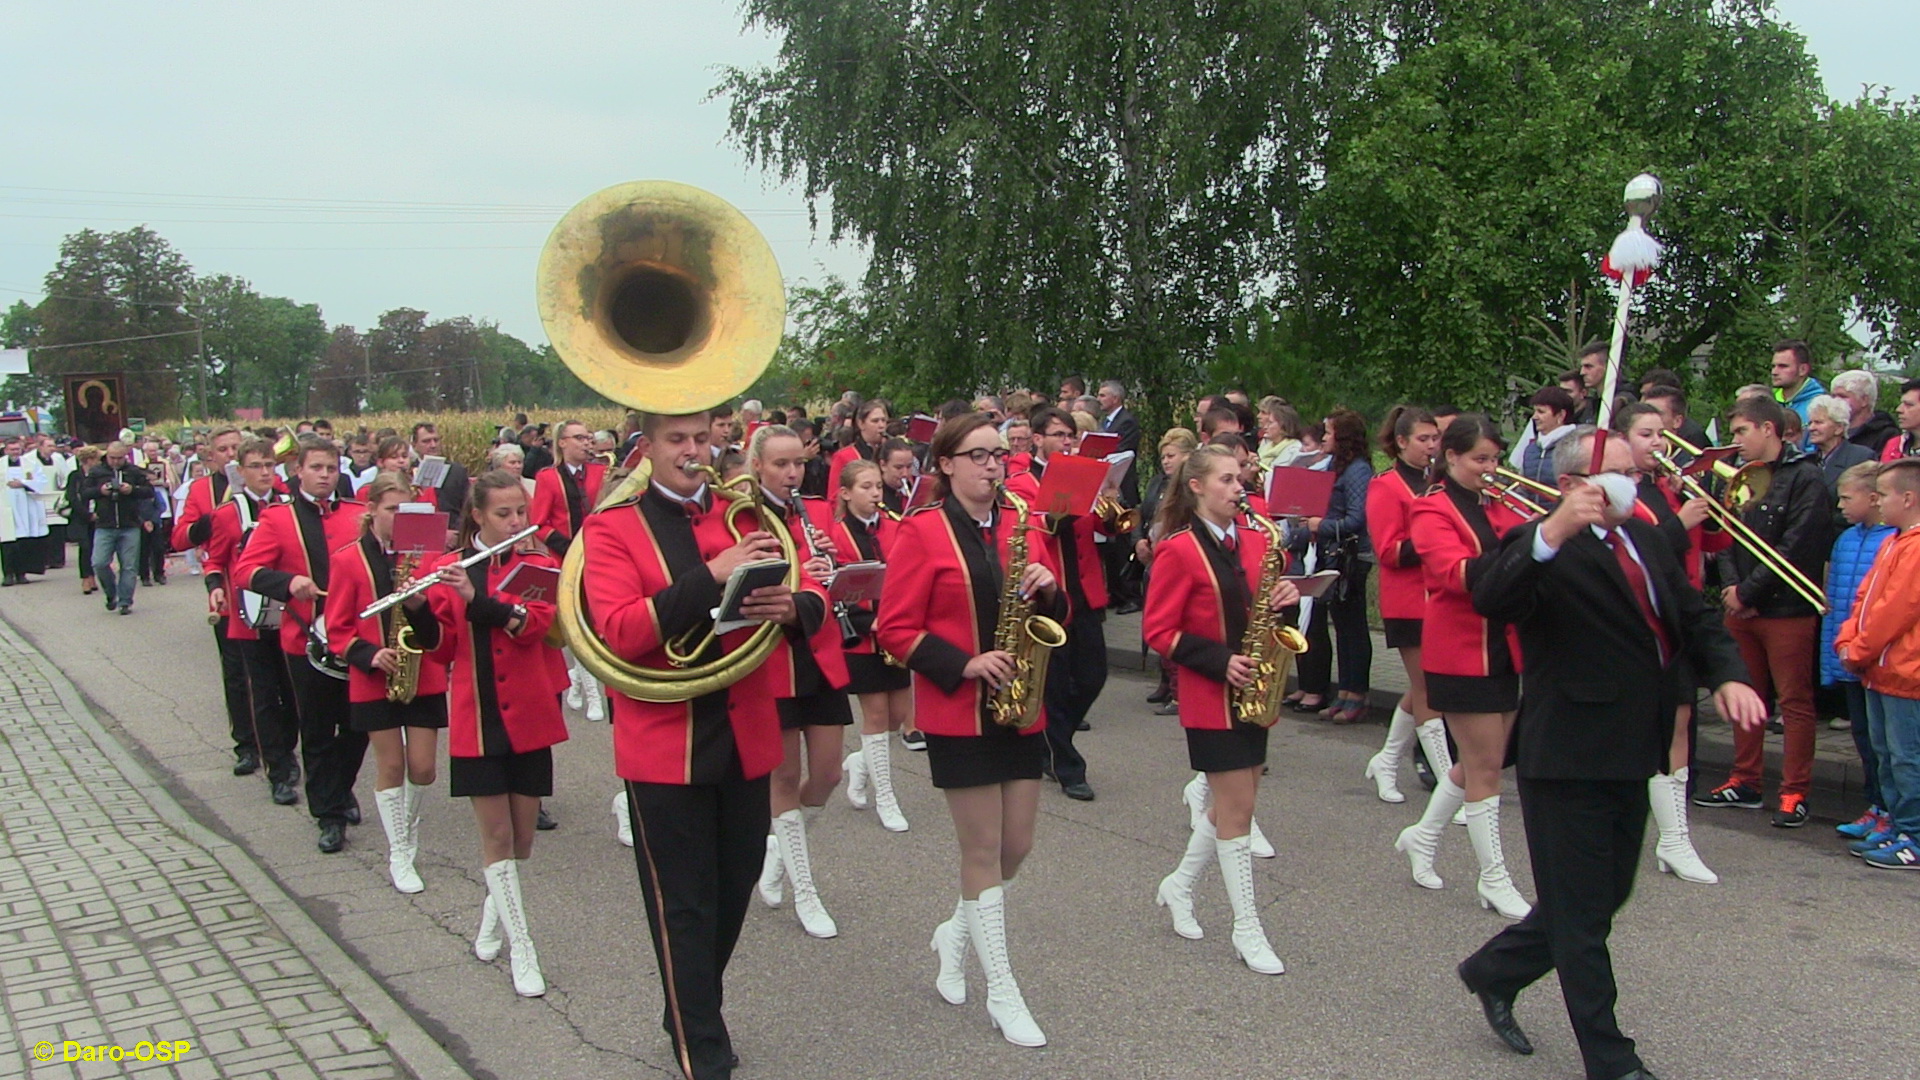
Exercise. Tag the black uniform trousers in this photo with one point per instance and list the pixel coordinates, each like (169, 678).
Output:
(329, 747)
(1583, 837)
(269, 704)
(699, 848)
(233, 684)
(1076, 673)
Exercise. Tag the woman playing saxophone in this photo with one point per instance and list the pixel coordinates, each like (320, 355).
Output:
(939, 612)
(1207, 581)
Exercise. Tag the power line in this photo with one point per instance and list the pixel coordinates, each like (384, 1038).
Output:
(108, 341)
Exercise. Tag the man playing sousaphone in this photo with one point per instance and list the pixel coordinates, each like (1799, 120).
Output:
(695, 772)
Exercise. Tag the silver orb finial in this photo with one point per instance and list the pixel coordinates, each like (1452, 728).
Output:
(1643, 195)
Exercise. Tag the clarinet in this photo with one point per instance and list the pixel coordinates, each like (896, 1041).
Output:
(816, 539)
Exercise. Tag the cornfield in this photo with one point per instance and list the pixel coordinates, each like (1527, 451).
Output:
(465, 437)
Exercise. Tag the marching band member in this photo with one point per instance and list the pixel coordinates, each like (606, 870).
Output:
(192, 526)
(563, 495)
(870, 434)
(265, 691)
(1681, 524)
(1411, 438)
(860, 528)
(941, 614)
(695, 771)
(808, 674)
(405, 734)
(503, 719)
(1472, 666)
(287, 559)
(1206, 569)
(898, 468)
(1078, 670)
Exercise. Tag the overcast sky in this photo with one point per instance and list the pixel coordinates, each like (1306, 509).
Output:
(372, 156)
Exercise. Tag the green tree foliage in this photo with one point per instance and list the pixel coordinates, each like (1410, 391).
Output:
(1471, 191)
(260, 351)
(123, 289)
(1047, 187)
(19, 328)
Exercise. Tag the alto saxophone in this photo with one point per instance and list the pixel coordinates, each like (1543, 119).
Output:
(1268, 642)
(402, 685)
(1027, 637)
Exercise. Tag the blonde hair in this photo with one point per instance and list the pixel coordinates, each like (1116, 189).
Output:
(385, 483)
(1179, 504)
(1180, 437)
(1860, 476)
(850, 474)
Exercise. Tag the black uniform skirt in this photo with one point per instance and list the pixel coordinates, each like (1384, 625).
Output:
(1402, 633)
(529, 774)
(1241, 746)
(827, 708)
(999, 755)
(425, 711)
(872, 675)
(1473, 693)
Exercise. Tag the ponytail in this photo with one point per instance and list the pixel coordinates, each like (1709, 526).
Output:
(1398, 427)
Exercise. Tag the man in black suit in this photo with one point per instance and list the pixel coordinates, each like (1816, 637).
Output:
(451, 498)
(1117, 418)
(1614, 640)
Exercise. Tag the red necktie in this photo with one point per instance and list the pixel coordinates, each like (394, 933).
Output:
(1230, 540)
(1637, 584)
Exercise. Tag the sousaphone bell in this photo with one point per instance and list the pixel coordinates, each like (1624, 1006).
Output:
(666, 299)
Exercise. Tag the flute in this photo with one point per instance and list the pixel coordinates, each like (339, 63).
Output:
(422, 584)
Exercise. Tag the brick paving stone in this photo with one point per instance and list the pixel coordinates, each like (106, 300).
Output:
(115, 928)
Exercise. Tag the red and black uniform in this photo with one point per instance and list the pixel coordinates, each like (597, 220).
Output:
(562, 499)
(808, 669)
(853, 451)
(363, 572)
(1196, 618)
(295, 539)
(264, 721)
(1659, 506)
(855, 540)
(696, 771)
(1077, 671)
(1403, 589)
(1472, 665)
(503, 717)
(939, 610)
(192, 524)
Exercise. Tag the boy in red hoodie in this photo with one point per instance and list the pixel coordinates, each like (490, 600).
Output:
(1881, 642)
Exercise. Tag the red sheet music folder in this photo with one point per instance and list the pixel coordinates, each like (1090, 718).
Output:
(1295, 492)
(1070, 485)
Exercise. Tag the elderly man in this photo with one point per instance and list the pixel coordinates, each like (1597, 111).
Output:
(1871, 427)
(1828, 420)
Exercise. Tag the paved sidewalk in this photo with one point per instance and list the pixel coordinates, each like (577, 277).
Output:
(124, 925)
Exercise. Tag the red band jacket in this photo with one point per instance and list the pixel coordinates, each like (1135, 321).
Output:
(1403, 591)
(1457, 534)
(808, 660)
(190, 525)
(941, 605)
(226, 534)
(853, 451)
(362, 573)
(561, 502)
(296, 538)
(1084, 574)
(1196, 615)
(498, 703)
(646, 582)
(856, 541)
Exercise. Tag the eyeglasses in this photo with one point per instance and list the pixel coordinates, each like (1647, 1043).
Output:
(982, 455)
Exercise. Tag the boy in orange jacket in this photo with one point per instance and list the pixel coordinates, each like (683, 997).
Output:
(1880, 641)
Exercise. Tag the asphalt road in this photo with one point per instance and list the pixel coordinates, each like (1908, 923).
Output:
(1795, 965)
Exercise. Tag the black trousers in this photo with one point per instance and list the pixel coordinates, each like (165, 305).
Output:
(153, 551)
(1113, 558)
(1348, 616)
(1076, 673)
(83, 538)
(269, 718)
(1584, 839)
(699, 848)
(233, 684)
(329, 747)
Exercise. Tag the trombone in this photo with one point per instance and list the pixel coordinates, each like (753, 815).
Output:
(1745, 485)
(1520, 492)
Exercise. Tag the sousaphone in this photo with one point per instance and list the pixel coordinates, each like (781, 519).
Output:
(666, 299)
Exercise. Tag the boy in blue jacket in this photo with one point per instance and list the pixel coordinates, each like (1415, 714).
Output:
(1853, 555)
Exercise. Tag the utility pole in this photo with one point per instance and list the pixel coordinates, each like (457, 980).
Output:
(200, 347)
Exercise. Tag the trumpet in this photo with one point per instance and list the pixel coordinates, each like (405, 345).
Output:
(1742, 482)
(1121, 519)
(1518, 491)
